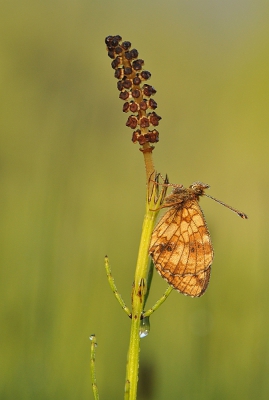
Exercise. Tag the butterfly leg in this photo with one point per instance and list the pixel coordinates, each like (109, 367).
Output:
(114, 288)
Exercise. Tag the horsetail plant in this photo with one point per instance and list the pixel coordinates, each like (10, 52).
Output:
(137, 96)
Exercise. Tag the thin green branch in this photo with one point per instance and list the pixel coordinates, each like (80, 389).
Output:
(92, 361)
(158, 303)
(114, 288)
(127, 390)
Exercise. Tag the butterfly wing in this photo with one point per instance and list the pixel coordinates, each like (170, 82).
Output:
(181, 249)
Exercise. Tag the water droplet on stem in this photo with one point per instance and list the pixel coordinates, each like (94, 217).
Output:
(144, 327)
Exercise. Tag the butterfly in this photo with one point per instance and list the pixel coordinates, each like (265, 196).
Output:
(181, 247)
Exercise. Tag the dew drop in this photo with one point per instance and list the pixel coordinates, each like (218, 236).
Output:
(144, 327)
(93, 339)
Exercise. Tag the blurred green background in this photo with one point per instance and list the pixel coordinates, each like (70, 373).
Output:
(73, 189)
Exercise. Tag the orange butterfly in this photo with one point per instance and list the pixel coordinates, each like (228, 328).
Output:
(180, 246)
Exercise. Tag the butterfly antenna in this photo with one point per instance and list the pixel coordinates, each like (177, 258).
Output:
(241, 214)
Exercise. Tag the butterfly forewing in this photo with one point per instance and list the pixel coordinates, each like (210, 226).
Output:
(181, 248)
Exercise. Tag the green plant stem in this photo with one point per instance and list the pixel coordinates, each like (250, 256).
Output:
(93, 377)
(140, 288)
(150, 275)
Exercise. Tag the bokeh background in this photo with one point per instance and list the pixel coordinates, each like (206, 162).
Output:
(73, 189)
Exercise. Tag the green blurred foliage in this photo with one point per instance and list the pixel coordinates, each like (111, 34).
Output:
(72, 190)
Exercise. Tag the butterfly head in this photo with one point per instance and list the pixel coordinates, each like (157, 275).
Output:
(199, 188)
